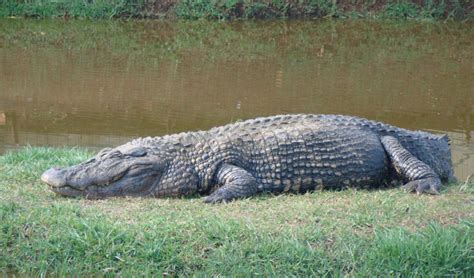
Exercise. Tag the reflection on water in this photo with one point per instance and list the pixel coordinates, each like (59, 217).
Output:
(99, 84)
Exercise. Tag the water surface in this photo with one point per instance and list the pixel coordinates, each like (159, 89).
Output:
(96, 84)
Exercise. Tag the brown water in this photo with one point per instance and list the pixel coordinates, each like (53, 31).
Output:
(99, 84)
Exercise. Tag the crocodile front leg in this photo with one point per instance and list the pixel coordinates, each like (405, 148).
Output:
(421, 178)
(236, 183)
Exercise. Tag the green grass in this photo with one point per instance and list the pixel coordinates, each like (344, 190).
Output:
(352, 232)
(244, 9)
(71, 8)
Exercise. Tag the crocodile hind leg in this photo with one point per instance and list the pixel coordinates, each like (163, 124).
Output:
(236, 183)
(421, 178)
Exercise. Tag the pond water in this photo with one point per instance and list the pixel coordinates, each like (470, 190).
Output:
(101, 83)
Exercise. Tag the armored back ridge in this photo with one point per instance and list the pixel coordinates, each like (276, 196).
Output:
(277, 154)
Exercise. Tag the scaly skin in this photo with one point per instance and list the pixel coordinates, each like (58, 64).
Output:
(276, 154)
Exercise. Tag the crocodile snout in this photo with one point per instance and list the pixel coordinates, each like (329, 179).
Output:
(55, 177)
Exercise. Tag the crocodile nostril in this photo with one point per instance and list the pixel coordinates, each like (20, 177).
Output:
(54, 177)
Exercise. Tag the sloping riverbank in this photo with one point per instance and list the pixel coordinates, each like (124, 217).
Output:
(349, 232)
(240, 9)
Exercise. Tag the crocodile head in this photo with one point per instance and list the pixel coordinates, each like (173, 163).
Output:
(125, 170)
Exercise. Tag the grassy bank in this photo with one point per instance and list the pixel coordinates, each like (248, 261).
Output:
(350, 232)
(244, 9)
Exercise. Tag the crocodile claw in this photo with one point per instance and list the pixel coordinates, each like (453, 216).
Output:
(428, 185)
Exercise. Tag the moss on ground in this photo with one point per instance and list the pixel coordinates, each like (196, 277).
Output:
(326, 233)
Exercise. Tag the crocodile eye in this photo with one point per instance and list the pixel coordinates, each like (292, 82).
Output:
(104, 152)
(137, 152)
(114, 153)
